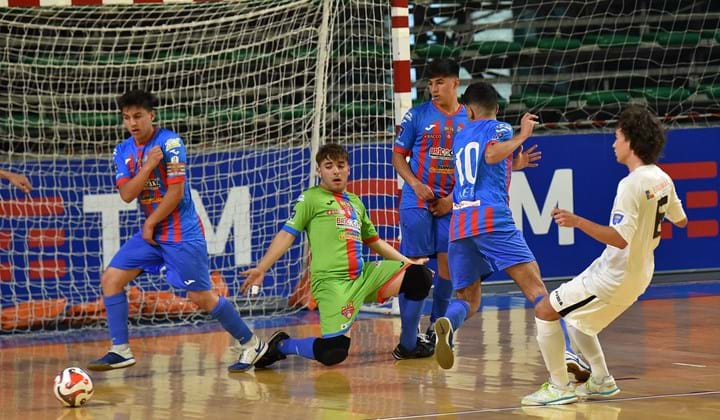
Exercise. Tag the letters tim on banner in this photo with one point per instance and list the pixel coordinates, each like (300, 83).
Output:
(57, 241)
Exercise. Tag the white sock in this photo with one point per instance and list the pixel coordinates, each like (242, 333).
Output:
(122, 349)
(552, 346)
(591, 350)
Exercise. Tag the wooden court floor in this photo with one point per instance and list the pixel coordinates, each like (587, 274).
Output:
(665, 355)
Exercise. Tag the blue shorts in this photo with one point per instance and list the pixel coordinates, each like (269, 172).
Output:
(423, 235)
(186, 262)
(468, 257)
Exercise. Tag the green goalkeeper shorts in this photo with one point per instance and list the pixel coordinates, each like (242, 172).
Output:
(339, 299)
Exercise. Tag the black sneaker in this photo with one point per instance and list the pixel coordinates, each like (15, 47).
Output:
(421, 350)
(429, 335)
(273, 354)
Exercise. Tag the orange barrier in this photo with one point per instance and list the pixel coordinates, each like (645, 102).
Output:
(32, 313)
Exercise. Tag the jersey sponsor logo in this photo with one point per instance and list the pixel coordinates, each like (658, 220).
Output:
(188, 282)
(557, 297)
(399, 130)
(335, 212)
(430, 127)
(172, 144)
(301, 198)
(152, 184)
(175, 159)
(353, 236)
(617, 217)
(649, 194)
(348, 310)
(346, 223)
(441, 153)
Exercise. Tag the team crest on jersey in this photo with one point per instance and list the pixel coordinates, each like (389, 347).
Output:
(348, 310)
(172, 144)
(617, 218)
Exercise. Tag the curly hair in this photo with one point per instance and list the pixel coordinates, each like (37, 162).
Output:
(645, 133)
(331, 151)
(139, 98)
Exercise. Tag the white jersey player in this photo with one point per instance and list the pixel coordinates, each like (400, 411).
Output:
(598, 295)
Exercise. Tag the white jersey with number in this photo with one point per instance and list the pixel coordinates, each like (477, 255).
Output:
(644, 198)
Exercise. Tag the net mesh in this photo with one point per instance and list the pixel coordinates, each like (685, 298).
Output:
(577, 63)
(248, 85)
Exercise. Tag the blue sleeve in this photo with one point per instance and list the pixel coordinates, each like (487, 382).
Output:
(405, 139)
(175, 158)
(122, 172)
(503, 132)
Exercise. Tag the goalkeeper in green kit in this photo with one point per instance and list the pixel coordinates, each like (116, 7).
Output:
(337, 224)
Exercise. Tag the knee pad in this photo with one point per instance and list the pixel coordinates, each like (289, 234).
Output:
(417, 282)
(331, 351)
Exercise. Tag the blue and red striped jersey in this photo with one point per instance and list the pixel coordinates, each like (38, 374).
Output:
(183, 224)
(480, 198)
(426, 135)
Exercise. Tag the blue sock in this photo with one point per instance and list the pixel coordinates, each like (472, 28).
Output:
(301, 346)
(441, 297)
(457, 312)
(230, 319)
(410, 313)
(568, 346)
(117, 316)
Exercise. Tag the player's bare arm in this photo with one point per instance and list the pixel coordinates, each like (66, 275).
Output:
(600, 233)
(131, 189)
(403, 169)
(18, 180)
(497, 152)
(526, 158)
(170, 201)
(386, 251)
(278, 247)
(681, 223)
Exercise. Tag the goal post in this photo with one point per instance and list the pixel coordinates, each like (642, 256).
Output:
(253, 87)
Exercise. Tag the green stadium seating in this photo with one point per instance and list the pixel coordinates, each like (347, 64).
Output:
(668, 39)
(494, 47)
(436, 51)
(558, 43)
(604, 97)
(665, 93)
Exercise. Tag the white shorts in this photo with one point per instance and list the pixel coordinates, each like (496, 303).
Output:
(581, 309)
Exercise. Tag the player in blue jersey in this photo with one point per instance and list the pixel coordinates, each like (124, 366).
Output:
(426, 136)
(18, 180)
(151, 166)
(482, 230)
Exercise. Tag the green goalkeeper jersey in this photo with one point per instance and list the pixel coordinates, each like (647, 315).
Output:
(337, 225)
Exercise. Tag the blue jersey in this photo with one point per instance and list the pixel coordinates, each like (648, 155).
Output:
(480, 198)
(183, 224)
(426, 135)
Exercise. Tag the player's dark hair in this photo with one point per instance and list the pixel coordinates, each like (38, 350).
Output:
(138, 97)
(644, 132)
(332, 151)
(481, 94)
(443, 67)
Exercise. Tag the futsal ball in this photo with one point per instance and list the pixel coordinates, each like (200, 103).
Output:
(73, 387)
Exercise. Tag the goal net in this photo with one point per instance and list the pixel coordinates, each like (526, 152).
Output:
(577, 64)
(252, 87)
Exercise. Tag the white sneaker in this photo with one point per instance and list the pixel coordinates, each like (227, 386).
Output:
(250, 353)
(594, 390)
(551, 394)
(577, 367)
